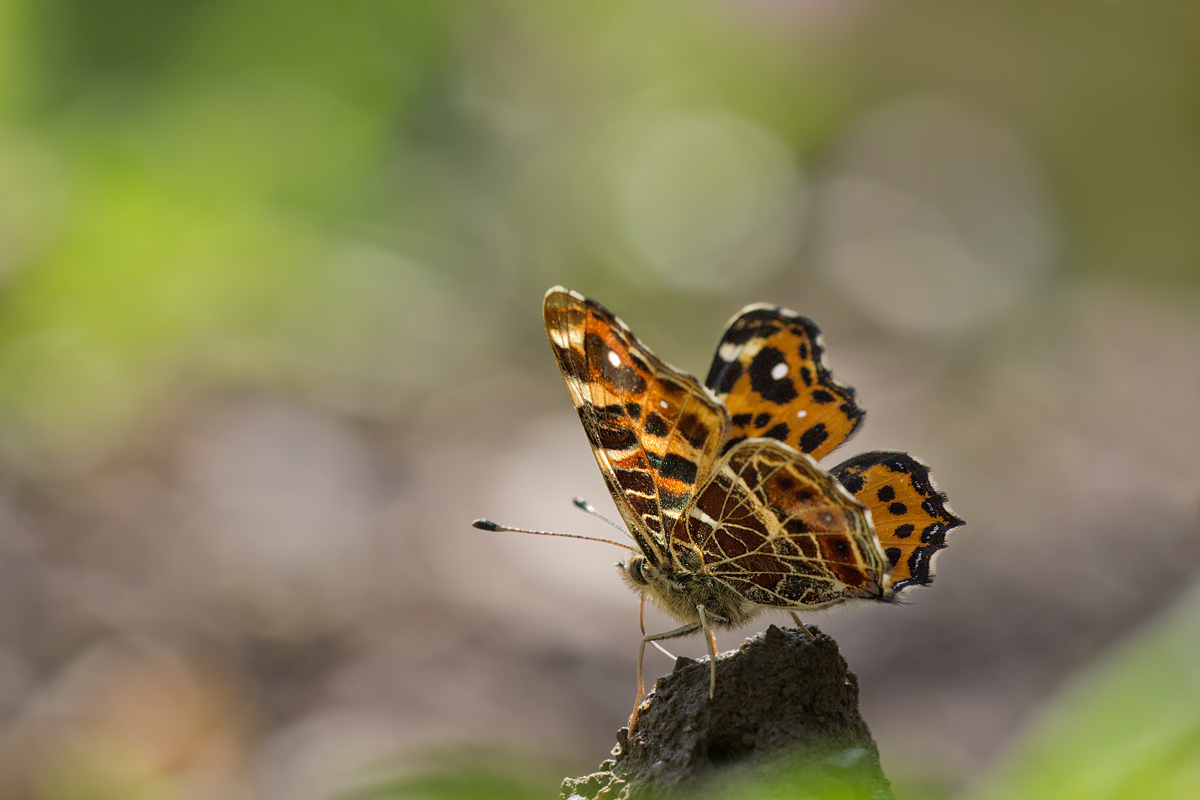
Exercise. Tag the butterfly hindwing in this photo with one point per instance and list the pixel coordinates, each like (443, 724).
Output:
(780, 531)
(768, 371)
(910, 513)
(655, 431)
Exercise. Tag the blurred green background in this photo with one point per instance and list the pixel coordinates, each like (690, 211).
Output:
(270, 278)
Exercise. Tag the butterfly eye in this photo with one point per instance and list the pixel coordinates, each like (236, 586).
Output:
(637, 570)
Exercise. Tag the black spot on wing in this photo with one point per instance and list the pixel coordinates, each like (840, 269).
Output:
(616, 438)
(796, 525)
(762, 381)
(656, 425)
(893, 555)
(678, 468)
(635, 481)
(903, 531)
(813, 438)
(740, 420)
(779, 432)
(762, 420)
(821, 396)
(886, 494)
(898, 508)
(694, 430)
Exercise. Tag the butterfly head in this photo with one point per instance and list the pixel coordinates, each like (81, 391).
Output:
(639, 573)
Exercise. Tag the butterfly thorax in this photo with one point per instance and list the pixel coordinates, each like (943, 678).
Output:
(681, 593)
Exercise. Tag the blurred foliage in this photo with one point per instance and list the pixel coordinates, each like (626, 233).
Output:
(1126, 729)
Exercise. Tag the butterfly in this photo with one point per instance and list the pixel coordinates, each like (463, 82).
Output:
(718, 482)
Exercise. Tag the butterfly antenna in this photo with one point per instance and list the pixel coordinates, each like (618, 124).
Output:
(585, 506)
(488, 525)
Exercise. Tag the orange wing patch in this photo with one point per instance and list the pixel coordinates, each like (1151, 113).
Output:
(910, 513)
(768, 371)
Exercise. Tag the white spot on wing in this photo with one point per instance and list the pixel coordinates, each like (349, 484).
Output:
(729, 351)
(662, 403)
(613, 358)
(779, 370)
(698, 513)
(802, 413)
(559, 337)
(750, 349)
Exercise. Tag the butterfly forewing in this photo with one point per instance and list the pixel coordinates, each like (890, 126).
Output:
(779, 531)
(655, 431)
(769, 373)
(910, 513)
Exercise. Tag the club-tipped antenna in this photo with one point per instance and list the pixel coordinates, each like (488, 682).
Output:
(585, 506)
(488, 525)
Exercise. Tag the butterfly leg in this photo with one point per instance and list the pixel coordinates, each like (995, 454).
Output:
(711, 641)
(801, 625)
(682, 630)
(642, 622)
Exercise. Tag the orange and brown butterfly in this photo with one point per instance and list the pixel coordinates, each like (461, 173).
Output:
(718, 482)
